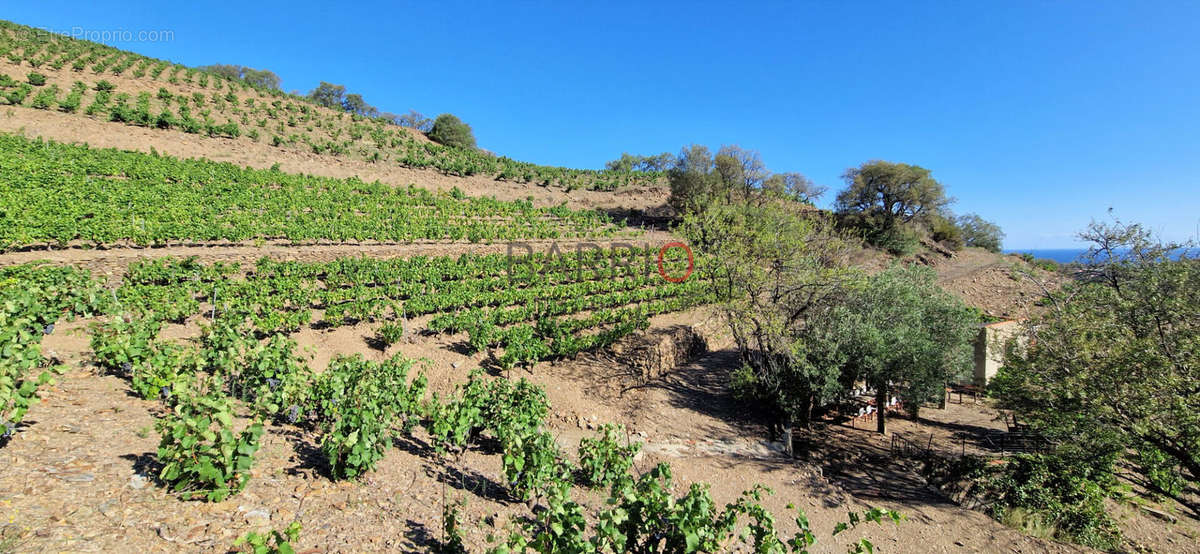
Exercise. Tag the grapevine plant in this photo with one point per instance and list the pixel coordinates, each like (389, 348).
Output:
(202, 456)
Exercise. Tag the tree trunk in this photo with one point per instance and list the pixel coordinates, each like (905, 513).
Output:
(787, 438)
(881, 399)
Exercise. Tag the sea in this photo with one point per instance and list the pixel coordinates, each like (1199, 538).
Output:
(1068, 255)
(1060, 255)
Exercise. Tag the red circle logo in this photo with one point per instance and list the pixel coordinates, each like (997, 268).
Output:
(691, 262)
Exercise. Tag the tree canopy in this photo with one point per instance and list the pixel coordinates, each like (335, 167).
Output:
(735, 174)
(892, 192)
(905, 336)
(776, 270)
(328, 95)
(448, 129)
(263, 78)
(1113, 368)
(981, 233)
(632, 162)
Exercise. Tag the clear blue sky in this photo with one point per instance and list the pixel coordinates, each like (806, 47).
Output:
(1039, 116)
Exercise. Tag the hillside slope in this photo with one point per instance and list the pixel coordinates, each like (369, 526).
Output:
(111, 98)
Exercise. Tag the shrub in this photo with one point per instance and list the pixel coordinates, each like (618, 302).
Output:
(943, 230)
(604, 460)
(274, 543)
(1051, 494)
(533, 465)
(451, 131)
(124, 342)
(390, 333)
(980, 233)
(358, 402)
(105, 86)
(19, 94)
(46, 98)
(37, 79)
(201, 456)
(166, 372)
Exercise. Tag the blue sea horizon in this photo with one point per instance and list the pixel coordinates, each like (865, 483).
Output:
(1060, 255)
(1069, 255)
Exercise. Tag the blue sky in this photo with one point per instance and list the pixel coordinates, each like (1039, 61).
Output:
(1039, 116)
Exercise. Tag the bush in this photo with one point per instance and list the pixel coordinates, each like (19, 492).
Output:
(604, 460)
(533, 466)
(275, 543)
(105, 86)
(897, 241)
(980, 233)
(1045, 264)
(201, 456)
(37, 79)
(451, 131)
(358, 401)
(947, 233)
(1052, 495)
(390, 333)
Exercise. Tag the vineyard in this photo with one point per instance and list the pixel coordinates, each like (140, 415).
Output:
(219, 393)
(244, 368)
(60, 195)
(213, 356)
(54, 72)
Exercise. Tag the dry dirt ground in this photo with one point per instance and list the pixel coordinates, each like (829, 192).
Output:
(80, 474)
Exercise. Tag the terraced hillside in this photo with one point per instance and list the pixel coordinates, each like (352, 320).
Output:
(80, 82)
(225, 310)
(61, 195)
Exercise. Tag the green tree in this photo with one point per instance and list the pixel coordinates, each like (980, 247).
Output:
(884, 195)
(905, 336)
(263, 78)
(981, 233)
(355, 104)
(741, 171)
(944, 230)
(794, 186)
(414, 120)
(328, 95)
(224, 70)
(694, 184)
(451, 131)
(777, 270)
(631, 162)
(1113, 368)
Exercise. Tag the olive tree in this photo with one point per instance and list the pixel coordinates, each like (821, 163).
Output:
(741, 171)
(694, 184)
(328, 95)
(793, 185)
(905, 336)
